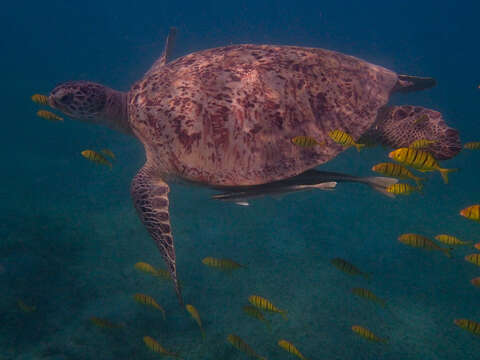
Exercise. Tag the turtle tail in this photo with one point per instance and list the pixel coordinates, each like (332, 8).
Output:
(380, 184)
(408, 83)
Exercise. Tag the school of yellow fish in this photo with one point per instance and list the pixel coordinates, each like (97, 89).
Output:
(415, 156)
(98, 157)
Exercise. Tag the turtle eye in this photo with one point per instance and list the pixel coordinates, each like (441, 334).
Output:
(66, 99)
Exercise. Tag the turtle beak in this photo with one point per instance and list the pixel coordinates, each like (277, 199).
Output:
(51, 102)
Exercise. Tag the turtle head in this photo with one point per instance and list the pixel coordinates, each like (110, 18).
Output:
(91, 102)
(80, 100)
(399, 126)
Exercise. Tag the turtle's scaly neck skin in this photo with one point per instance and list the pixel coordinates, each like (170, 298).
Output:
(92, 102)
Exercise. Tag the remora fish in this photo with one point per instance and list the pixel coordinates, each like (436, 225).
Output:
(310, 179)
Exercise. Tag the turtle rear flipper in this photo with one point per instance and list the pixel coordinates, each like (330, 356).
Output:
(150, 197)
(408, 83)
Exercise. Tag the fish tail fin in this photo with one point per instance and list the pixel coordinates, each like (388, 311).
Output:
(359, 146)
(444, 173)
(284, 314)
(268, 324)
(418, 180)
(420, 188)
(380, 184)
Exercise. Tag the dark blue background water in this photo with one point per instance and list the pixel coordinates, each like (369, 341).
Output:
(70, 237)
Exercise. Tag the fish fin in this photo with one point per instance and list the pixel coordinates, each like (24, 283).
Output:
(420, 188)
(444, 173)
(242, 203)
(284, 315)
(359, 146)
(380, 184)
(322, 186)
(418, 181)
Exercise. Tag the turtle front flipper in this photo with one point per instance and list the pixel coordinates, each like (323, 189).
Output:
(408, 83)
(150, 197)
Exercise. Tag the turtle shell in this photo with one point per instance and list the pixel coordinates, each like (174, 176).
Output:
(226, 116)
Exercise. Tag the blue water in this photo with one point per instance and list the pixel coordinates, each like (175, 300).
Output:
(69, 235)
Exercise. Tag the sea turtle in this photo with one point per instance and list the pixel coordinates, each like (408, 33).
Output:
(226, 116)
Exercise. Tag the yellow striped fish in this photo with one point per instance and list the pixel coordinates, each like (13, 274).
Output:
(473, 258)
(396, 170)
(264, 304)
(221, 264)
(153, 345)
(420, 160)
(164, 274)
(468, 325)
(419, 241)
(288, 346)
(108, 153)
(347, 267)
(96, 157)
(344, 139)
(241, 345)
(471, 212)
(196, 316)
(40, 99)
(475, 281)
(157, 272)
(474, 145)
(146, 268)
(477, 246)
(367, 334)
(367, 294)
(403, 189)
(48, 115)
(25, 307)
(451, 240)
(253, 312)
(306, 141)
(421, 144)
(420, 119)
(149, 301)
(103, 323)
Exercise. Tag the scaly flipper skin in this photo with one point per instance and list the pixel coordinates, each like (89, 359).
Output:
(150, 197)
